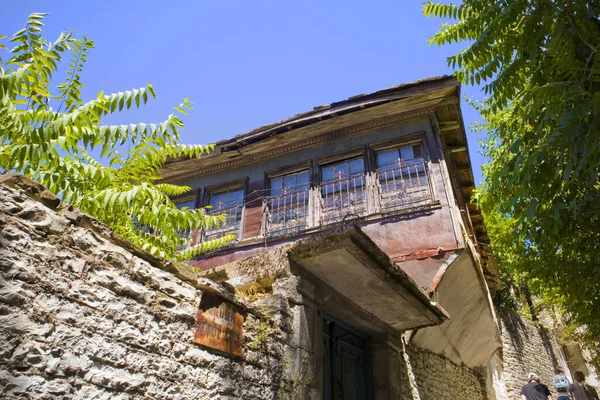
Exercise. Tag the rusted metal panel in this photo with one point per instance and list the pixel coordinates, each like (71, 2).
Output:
(220, 325)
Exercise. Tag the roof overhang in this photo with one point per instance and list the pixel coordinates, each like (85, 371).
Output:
(354, 115)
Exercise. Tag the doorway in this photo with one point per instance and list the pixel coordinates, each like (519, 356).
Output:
(346, 362)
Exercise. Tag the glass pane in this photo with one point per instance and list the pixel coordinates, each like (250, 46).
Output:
(190, 204)
(302, 181)
(227, 199)
(218, 200)
(341, 169)
(276, 185)
(357, 166)
(289, 182)
(406, 153)
(236, 197)
(417, 151)
(387, 159)
(327, 174)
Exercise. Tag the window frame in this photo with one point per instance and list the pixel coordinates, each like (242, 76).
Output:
(191, 196)
(337, 158)
(224, 187)
(291, 170)
(418, 138)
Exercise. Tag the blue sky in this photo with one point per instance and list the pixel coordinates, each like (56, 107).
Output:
(246, 64)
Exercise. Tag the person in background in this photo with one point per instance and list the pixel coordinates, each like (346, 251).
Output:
(561, 384)
(590, 392)
(534, 390)
(581, 390)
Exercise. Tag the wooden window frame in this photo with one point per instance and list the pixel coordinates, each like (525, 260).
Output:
(223, 187)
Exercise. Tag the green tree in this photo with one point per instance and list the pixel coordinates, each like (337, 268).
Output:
(50, 134)
(538, 64)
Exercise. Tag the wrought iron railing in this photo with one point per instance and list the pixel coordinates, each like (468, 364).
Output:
(403, 184)
(343, 197)
(232, 224)
(287, 212)
(398, 186)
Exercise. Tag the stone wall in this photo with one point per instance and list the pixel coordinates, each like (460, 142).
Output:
(427, 376)
(527, 347)
(85, 315)
(81, 317)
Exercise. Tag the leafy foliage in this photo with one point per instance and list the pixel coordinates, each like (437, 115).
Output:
(53, 138)
(539, 66)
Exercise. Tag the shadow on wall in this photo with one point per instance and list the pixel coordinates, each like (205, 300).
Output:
(428, 376)
(516, 329)
(518, 333)
(545, 336)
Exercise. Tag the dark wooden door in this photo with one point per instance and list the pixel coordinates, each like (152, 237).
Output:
(345, 362)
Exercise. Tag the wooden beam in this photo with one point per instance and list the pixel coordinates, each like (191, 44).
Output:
(449, 126)
(456, 149)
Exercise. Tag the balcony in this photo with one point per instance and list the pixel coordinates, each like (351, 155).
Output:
(233, 220)
(395, 188)
(403, 184)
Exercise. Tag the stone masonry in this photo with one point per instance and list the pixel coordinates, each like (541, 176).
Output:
(83, 318)
(84, 315)
(527, 347)
(436, 378)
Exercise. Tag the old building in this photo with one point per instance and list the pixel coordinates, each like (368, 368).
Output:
(358, 271)
(376, 188)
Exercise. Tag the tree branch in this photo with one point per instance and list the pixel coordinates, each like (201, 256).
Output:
(591, 46)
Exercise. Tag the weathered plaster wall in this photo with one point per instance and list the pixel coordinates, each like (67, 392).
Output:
(83, 318)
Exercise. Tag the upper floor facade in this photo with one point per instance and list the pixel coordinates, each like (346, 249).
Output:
(395, 162)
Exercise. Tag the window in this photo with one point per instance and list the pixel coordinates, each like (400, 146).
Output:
(288, 203)
(230, 203)
(189, 204)
(343, 189)
(402, 176)
(289, 183)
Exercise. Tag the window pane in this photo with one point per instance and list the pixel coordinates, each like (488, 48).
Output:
(289, 182)
(190, 204)
(386, 159)
(327, 174)
(341, 169)
(356, 166)
(276, 185)
(302, 180)
(288, 204)
(218, 200)
(406, 153)
(417, 151)
(236, 197)
(227, 199)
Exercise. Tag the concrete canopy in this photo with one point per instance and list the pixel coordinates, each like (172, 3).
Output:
(352, 265)
(471, 336)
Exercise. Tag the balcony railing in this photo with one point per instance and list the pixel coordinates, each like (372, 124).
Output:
(233, 221)
(397, 186)
(403, 184)
(343, 197)
(287, 212)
